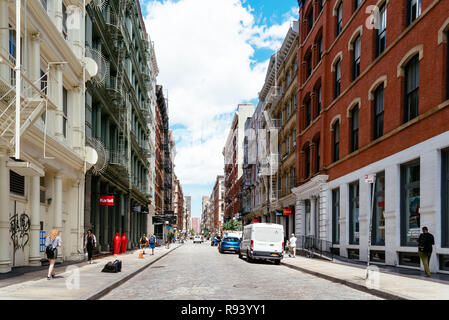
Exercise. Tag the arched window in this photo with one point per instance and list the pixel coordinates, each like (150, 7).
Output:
(381, 30)
(335, 140)
(339, 18)
(355, 128)
(337, 79)
(310, 19)
(413, 11)
(357, 48)
(308, 111)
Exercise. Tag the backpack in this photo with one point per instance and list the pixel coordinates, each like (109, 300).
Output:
(152, 240)
(113, 267)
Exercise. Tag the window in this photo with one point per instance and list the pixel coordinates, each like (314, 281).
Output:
(339, 26)
(294, 102)
(336, 216)
(318, 155)
(321, 4)
(64, 110)
(337, 80)
(413, 10)
(355, 128)
(381, 32)
(294, 138)
(318, 101)
(295, 67)
(357, 4)
(308, 112)
(309, 65)
(378, 226)
(410, 203)
(357, 46)
(354, 234)
(64, 21)
(336, 141)
(320, 48)
(16, 183)
(411, 89)
(307, 215)
(379, 112)
(445, 199)
(310, 20)
(44, 4)
(287, 109)
(307, 158)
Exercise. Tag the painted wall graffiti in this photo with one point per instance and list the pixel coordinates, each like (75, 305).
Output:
(19, 227)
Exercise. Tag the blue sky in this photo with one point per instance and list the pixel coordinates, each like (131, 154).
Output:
(212, 55)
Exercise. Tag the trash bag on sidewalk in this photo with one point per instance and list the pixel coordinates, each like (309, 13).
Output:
(113, 266)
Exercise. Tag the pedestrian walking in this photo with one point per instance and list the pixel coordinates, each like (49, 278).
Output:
(52, 242)
(292, 245)
(143, 243)
(90, 242)
(152, 243)
(425, 243)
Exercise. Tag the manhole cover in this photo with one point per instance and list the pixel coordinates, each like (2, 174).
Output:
(245, 286)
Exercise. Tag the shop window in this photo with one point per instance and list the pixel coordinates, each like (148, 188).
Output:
(413, 11)
(354, 232)
(410, 203)
(444, 262)
(16, 183)
(336, 216)
(381, 31)
(354, 254)
(379, 112)
(445, 199)
(355, 128)
(377, 256)
(411, 89)
(410, 259)
(378, 225)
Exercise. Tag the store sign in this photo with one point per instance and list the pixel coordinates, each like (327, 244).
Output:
(288, 211)
(279, 213)
(370, 178)
(106, 200)
(255, 221)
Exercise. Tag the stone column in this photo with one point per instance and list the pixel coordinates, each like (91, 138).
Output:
(4, 213)
(392, 214)
(344, 212)
(312, 215)
(35, 257)
(35, 57)
(58, 208)
(364, 217)
(106, 223)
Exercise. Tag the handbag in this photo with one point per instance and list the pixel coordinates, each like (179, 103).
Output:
(50, 251)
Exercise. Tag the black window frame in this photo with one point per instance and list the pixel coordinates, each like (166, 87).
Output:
(336, 216)
(445, 198)
(309, 65)
(410, 17)
(381, 33)
(355, 128)
(354, 199)
(336, 141)
(379, 99)
(356, 58)
(411, 95)
(378, 195)
(339, 19)
(310, 20)
(404, 188)
(337, 79)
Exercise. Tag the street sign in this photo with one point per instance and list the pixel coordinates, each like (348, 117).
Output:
(370, 178)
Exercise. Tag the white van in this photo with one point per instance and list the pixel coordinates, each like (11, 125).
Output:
(263, 241)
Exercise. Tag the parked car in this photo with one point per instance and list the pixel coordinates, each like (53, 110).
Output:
(263, 241)
(198, 239)
(229, 244)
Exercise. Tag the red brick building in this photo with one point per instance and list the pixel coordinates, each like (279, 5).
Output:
(374, 99)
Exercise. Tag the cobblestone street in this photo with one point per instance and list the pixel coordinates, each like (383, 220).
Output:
(200, 272)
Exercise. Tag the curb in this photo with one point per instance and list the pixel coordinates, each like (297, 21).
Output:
(376, 292)
(105, 290)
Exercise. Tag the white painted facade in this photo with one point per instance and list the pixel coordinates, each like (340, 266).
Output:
(319, 190)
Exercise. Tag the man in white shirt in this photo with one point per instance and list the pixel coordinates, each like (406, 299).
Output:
(292, 246)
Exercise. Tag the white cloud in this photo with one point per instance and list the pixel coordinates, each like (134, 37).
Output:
(204, 50)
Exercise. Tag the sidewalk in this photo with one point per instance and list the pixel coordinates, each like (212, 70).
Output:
(388, 285)
(82, 281)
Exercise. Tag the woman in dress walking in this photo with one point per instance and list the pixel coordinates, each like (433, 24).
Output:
(52, 243)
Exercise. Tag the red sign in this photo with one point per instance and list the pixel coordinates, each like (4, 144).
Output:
(287, 212)
(106, 200)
